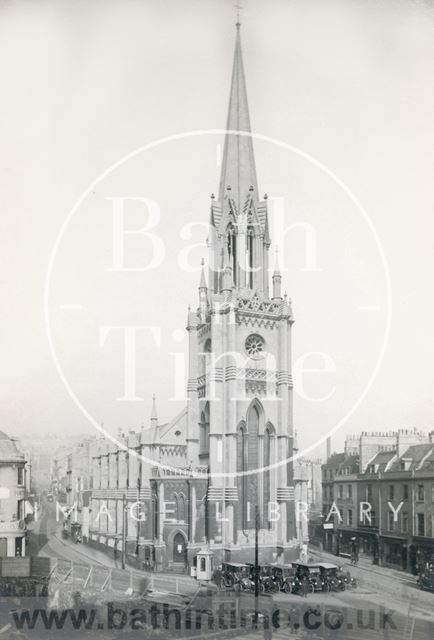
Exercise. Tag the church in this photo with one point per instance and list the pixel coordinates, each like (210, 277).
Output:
(224, 465)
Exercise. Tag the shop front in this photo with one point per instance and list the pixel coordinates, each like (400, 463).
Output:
(394, 552)
(422, 551)
(366, 541)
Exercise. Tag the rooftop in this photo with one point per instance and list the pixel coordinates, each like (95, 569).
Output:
(9, 451)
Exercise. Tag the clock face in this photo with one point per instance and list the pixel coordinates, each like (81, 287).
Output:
(124, 268)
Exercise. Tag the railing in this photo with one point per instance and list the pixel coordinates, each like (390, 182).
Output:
(158, 472)
(84, 577)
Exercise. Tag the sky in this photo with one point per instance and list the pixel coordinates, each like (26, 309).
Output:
(345, 88)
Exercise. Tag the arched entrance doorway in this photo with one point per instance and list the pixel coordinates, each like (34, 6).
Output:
(179, 548)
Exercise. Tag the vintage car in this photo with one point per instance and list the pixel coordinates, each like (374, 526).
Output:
(349, 581)
(284, 577)
(267, 583)
(72, 530)
(331, 578)
(308, 578)
(264, 584)
(426, 577)
(231, 575)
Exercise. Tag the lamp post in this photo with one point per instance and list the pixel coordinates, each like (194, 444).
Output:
(124, 529)
(137, 519)
(257, 525)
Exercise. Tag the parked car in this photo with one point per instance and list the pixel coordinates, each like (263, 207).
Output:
(231, 574)
(347, 578)
(331, 578)
(267, 583)
(308, 578)
(284, 577)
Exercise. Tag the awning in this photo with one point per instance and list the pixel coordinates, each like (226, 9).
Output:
(397, 539)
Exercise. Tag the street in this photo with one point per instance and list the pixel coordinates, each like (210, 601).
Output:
(385, 604)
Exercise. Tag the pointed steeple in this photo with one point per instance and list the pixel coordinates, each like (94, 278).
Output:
(238, 166)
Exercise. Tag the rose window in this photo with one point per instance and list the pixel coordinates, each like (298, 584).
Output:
(254, 346)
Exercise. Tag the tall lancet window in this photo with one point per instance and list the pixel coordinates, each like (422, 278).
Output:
(250, 254)
(242, 479)
(253, 421)
(269, 436)
(204, 431)
(232, 251)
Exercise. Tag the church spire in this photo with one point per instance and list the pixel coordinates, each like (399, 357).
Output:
(238, 166)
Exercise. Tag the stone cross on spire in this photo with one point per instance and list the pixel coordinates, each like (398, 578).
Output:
(238, 165)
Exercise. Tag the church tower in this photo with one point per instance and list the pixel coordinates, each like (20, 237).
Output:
(239, 413)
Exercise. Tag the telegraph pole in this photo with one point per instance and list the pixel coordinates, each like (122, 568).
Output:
(257, 525)
(137, 518)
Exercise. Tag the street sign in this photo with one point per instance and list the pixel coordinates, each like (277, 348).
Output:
(328, 525)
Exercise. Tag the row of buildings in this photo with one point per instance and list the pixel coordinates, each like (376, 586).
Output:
(379, 492)
(15, 503)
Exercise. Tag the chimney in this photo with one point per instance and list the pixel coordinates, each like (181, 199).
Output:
(328, 447)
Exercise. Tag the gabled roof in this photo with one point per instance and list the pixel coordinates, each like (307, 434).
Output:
(415, 455)
(381, 460)
(351, 462)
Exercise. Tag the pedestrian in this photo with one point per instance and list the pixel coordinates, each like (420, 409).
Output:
(304, 587)
(354, 551)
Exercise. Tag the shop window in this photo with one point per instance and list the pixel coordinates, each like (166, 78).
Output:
(420, 524)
